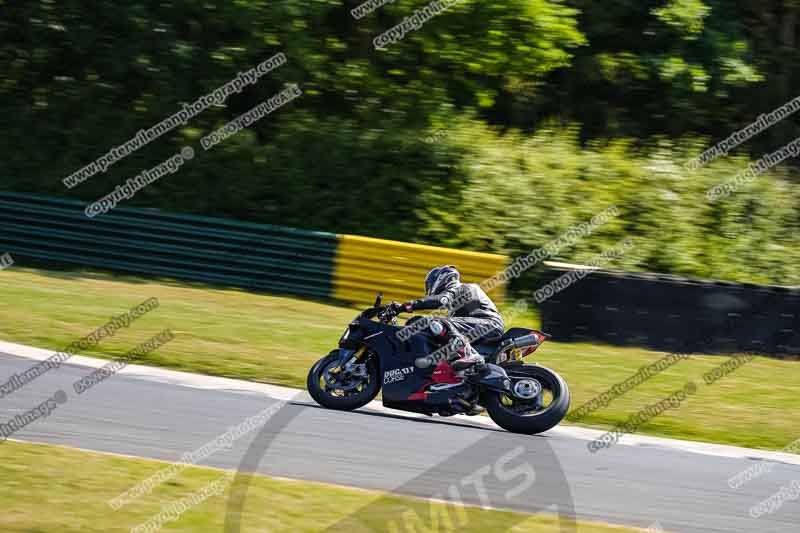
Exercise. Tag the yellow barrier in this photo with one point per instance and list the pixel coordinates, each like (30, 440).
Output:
(365, 266)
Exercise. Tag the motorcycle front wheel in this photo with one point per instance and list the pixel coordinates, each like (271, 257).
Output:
(538, 400)
(336, 388)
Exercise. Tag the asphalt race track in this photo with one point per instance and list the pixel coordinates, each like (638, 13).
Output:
(631, 485)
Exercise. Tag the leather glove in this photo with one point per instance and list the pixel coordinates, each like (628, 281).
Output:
(397, 308)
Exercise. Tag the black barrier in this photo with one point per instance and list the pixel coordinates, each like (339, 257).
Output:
(670, 313)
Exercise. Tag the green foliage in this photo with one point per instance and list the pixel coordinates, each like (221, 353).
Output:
(685, 16)
(516, 192)
(454, 135)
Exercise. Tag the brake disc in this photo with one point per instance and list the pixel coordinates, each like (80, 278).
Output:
(345, 383)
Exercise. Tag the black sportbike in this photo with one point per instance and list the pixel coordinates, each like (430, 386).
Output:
(523, 398)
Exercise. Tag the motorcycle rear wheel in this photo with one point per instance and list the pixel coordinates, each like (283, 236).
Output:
(509, 412)
(328, 395)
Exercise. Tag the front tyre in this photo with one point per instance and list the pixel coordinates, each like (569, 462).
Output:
(527, 409)
(343, 390)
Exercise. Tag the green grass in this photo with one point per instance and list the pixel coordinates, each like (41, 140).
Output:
(44, 492)
(275, 339)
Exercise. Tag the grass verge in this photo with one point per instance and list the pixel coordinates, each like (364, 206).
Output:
(44, 492)
(275, 339)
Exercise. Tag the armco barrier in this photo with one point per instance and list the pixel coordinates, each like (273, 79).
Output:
(225, 252)
(670, 313)
(145, 241)
(365, 266)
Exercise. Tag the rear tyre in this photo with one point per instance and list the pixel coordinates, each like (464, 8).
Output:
(528, 416)
(340, 391)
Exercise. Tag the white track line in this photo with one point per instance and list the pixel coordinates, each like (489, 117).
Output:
(199, 381)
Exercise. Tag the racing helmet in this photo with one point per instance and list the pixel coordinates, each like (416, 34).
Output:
(440, 279)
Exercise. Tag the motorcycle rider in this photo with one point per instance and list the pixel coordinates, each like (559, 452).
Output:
(471, 315)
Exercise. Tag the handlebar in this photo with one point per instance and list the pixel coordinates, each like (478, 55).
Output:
(381, 312)
(386, 315)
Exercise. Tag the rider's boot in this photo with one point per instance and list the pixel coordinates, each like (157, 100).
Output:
(465, 355)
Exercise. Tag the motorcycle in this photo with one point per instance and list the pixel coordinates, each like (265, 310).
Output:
(519, 397)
